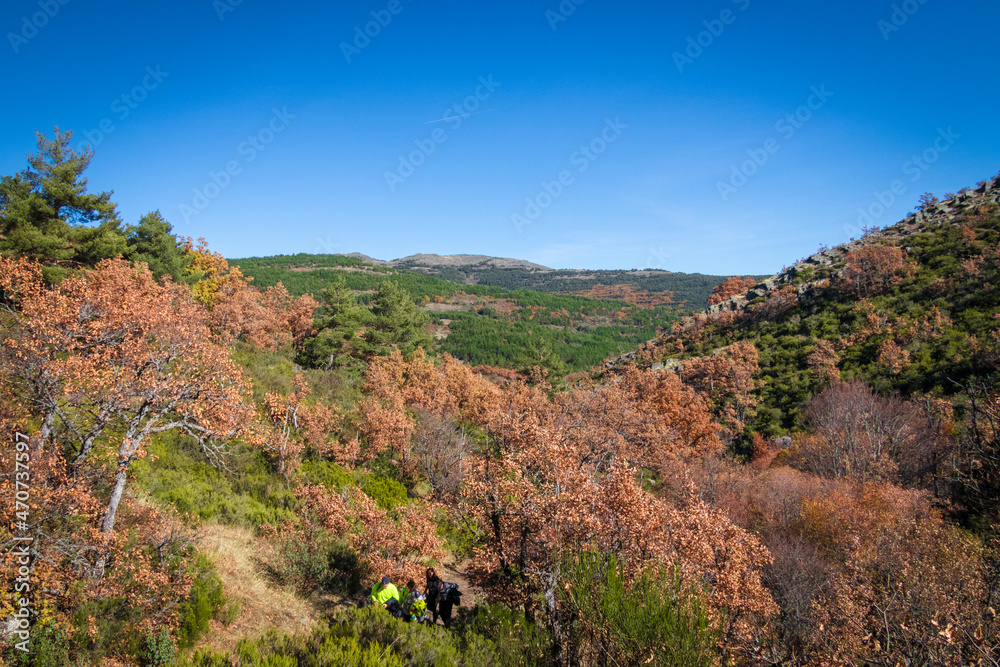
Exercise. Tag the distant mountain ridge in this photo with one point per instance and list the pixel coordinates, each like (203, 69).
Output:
(433, 260)
(647, 286)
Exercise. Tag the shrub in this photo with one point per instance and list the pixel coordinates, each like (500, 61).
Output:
(386, 492)
(652, 620)
(327, 473)
(461, 536)
(48, 646)
(320, 562)
(205, 601)
(518, 641)
(159, 649)
(362, 637)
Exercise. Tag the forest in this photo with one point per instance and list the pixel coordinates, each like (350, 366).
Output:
(205, 466)
(514, 328)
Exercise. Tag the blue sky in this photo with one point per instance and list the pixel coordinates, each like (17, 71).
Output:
(726, 137)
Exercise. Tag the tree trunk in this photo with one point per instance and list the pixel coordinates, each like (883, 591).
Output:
(121, 476)
(45, 432)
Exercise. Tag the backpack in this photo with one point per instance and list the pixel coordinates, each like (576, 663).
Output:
(452, 594)
(394, 608)
(418, 610)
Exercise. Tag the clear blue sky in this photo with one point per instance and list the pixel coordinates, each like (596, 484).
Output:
(184, 85)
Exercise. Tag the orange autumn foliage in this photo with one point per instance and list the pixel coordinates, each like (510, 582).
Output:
(732, 286)
(562, 472)
(267, 319)
(397, 543)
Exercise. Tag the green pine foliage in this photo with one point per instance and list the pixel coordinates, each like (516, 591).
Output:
(654, 620)
(152, 241)
(394, 322)
(47, 214)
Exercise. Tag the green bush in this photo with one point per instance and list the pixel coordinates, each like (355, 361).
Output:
(182, 477)
(416, 644)
(320, 562)
(364, 637)
(461, 536)
(327, 473)
(518, 641)
(48, 646)
(205, 601)
(652, 621)
(158, 650)
(386, 492)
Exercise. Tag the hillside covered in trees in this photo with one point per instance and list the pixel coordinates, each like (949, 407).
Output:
(203, 469)
(482, 325)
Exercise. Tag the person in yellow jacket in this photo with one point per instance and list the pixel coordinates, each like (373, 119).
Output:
(384, 592)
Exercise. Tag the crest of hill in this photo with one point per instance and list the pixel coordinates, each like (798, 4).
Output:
(940, 213)
(452, 261)
(817, 284)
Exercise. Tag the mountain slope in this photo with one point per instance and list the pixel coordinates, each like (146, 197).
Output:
(912, 308)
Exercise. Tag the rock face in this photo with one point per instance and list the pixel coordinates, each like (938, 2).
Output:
(941, 213)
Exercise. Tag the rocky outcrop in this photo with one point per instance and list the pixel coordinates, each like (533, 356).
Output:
(944, 212)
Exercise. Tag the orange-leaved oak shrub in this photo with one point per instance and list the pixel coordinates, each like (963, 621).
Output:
(862, 572)
(553, 473)
(116, 357)
(726, 379)
(397, 543)
(237, 310)
(92, 369)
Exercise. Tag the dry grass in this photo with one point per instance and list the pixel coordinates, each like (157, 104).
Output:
(237, 554)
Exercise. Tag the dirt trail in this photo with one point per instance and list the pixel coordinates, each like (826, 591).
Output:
(456, 573)
(261, 605)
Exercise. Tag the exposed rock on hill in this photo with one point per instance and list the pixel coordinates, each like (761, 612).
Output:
(834, 259)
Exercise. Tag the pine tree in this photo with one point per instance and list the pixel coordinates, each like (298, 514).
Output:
(152, 241)
(336, 342)
(47, 214)
(395, 322)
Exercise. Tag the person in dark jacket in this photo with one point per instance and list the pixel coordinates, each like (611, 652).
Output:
(441, 596)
